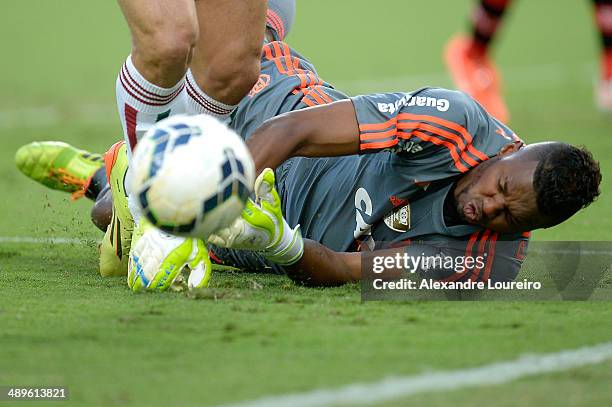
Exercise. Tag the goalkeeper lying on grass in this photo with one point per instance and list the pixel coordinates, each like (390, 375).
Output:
(416, 172)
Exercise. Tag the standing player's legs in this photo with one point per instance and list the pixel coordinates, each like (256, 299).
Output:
(226, 60)
(164, 34)
(152, 84)
(603, 20)
(468, 62)
(225, 63)
(485, 22)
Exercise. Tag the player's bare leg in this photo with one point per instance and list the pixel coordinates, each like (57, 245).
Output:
(149, 88)
(163, 36)
(150, 81)
(468, 61)
(226, 59)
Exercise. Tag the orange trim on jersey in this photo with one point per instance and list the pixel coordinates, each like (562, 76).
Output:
(303, 79)
(463, 142)
(286, 64)
(324, 95)
(313, 94)
(300, 73)
(432, 129)
(287, 56)
(468, 252)
(434, 140)
(481, 249)
(442, 133)
(272, 57)
(378, 145)
(268, 52)
(425, 137)
(307, 78)
(491, 255)
(277, 50)
(273, 53)
(296, 64)
(378, 126)
(379, 135)
(308, 102)
(451, 125)
(311, 79)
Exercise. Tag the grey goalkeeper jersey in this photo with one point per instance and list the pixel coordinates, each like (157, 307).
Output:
(413, 146)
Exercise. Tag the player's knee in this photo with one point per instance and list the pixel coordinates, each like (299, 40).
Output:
(231, 77)
(175, 48)
(168, 46)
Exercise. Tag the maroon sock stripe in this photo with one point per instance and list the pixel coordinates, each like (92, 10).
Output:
(131, 115)
(192, 91)
(144, 92)
(132, 87)
(204, 104)
(131, 91)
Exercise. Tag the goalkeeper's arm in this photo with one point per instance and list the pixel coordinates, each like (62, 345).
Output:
(322, 267)
(321, 131)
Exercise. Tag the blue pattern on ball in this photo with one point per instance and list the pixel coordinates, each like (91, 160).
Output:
(158, 158)
(181, 140)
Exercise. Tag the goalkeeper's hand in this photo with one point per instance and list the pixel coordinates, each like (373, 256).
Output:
(157, 258)
(261, 227)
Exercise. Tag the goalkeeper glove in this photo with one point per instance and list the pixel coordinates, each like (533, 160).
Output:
(261, 227)
(157, 259)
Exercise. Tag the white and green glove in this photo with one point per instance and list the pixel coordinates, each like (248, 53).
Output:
(157, 258)
(262, 228)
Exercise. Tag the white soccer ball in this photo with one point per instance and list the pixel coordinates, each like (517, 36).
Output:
(191, 175)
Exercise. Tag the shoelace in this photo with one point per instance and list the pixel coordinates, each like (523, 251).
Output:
(69, 179)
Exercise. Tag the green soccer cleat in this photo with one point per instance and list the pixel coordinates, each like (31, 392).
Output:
(58, 166)
(117, 242)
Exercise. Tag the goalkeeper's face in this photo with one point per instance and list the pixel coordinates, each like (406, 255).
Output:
(499, 194)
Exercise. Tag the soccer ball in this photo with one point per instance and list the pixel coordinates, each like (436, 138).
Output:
(191, 175)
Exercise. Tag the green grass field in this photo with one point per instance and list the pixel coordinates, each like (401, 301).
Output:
(257, 335)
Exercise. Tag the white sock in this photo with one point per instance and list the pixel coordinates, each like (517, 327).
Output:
(198, 102)
(141, 103)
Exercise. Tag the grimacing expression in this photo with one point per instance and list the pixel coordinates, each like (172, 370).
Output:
(499, 194)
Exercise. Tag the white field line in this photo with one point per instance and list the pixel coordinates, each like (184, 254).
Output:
(398, 387)
(44, 240)
(76, 240)
(522, 78)
(585, 252)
